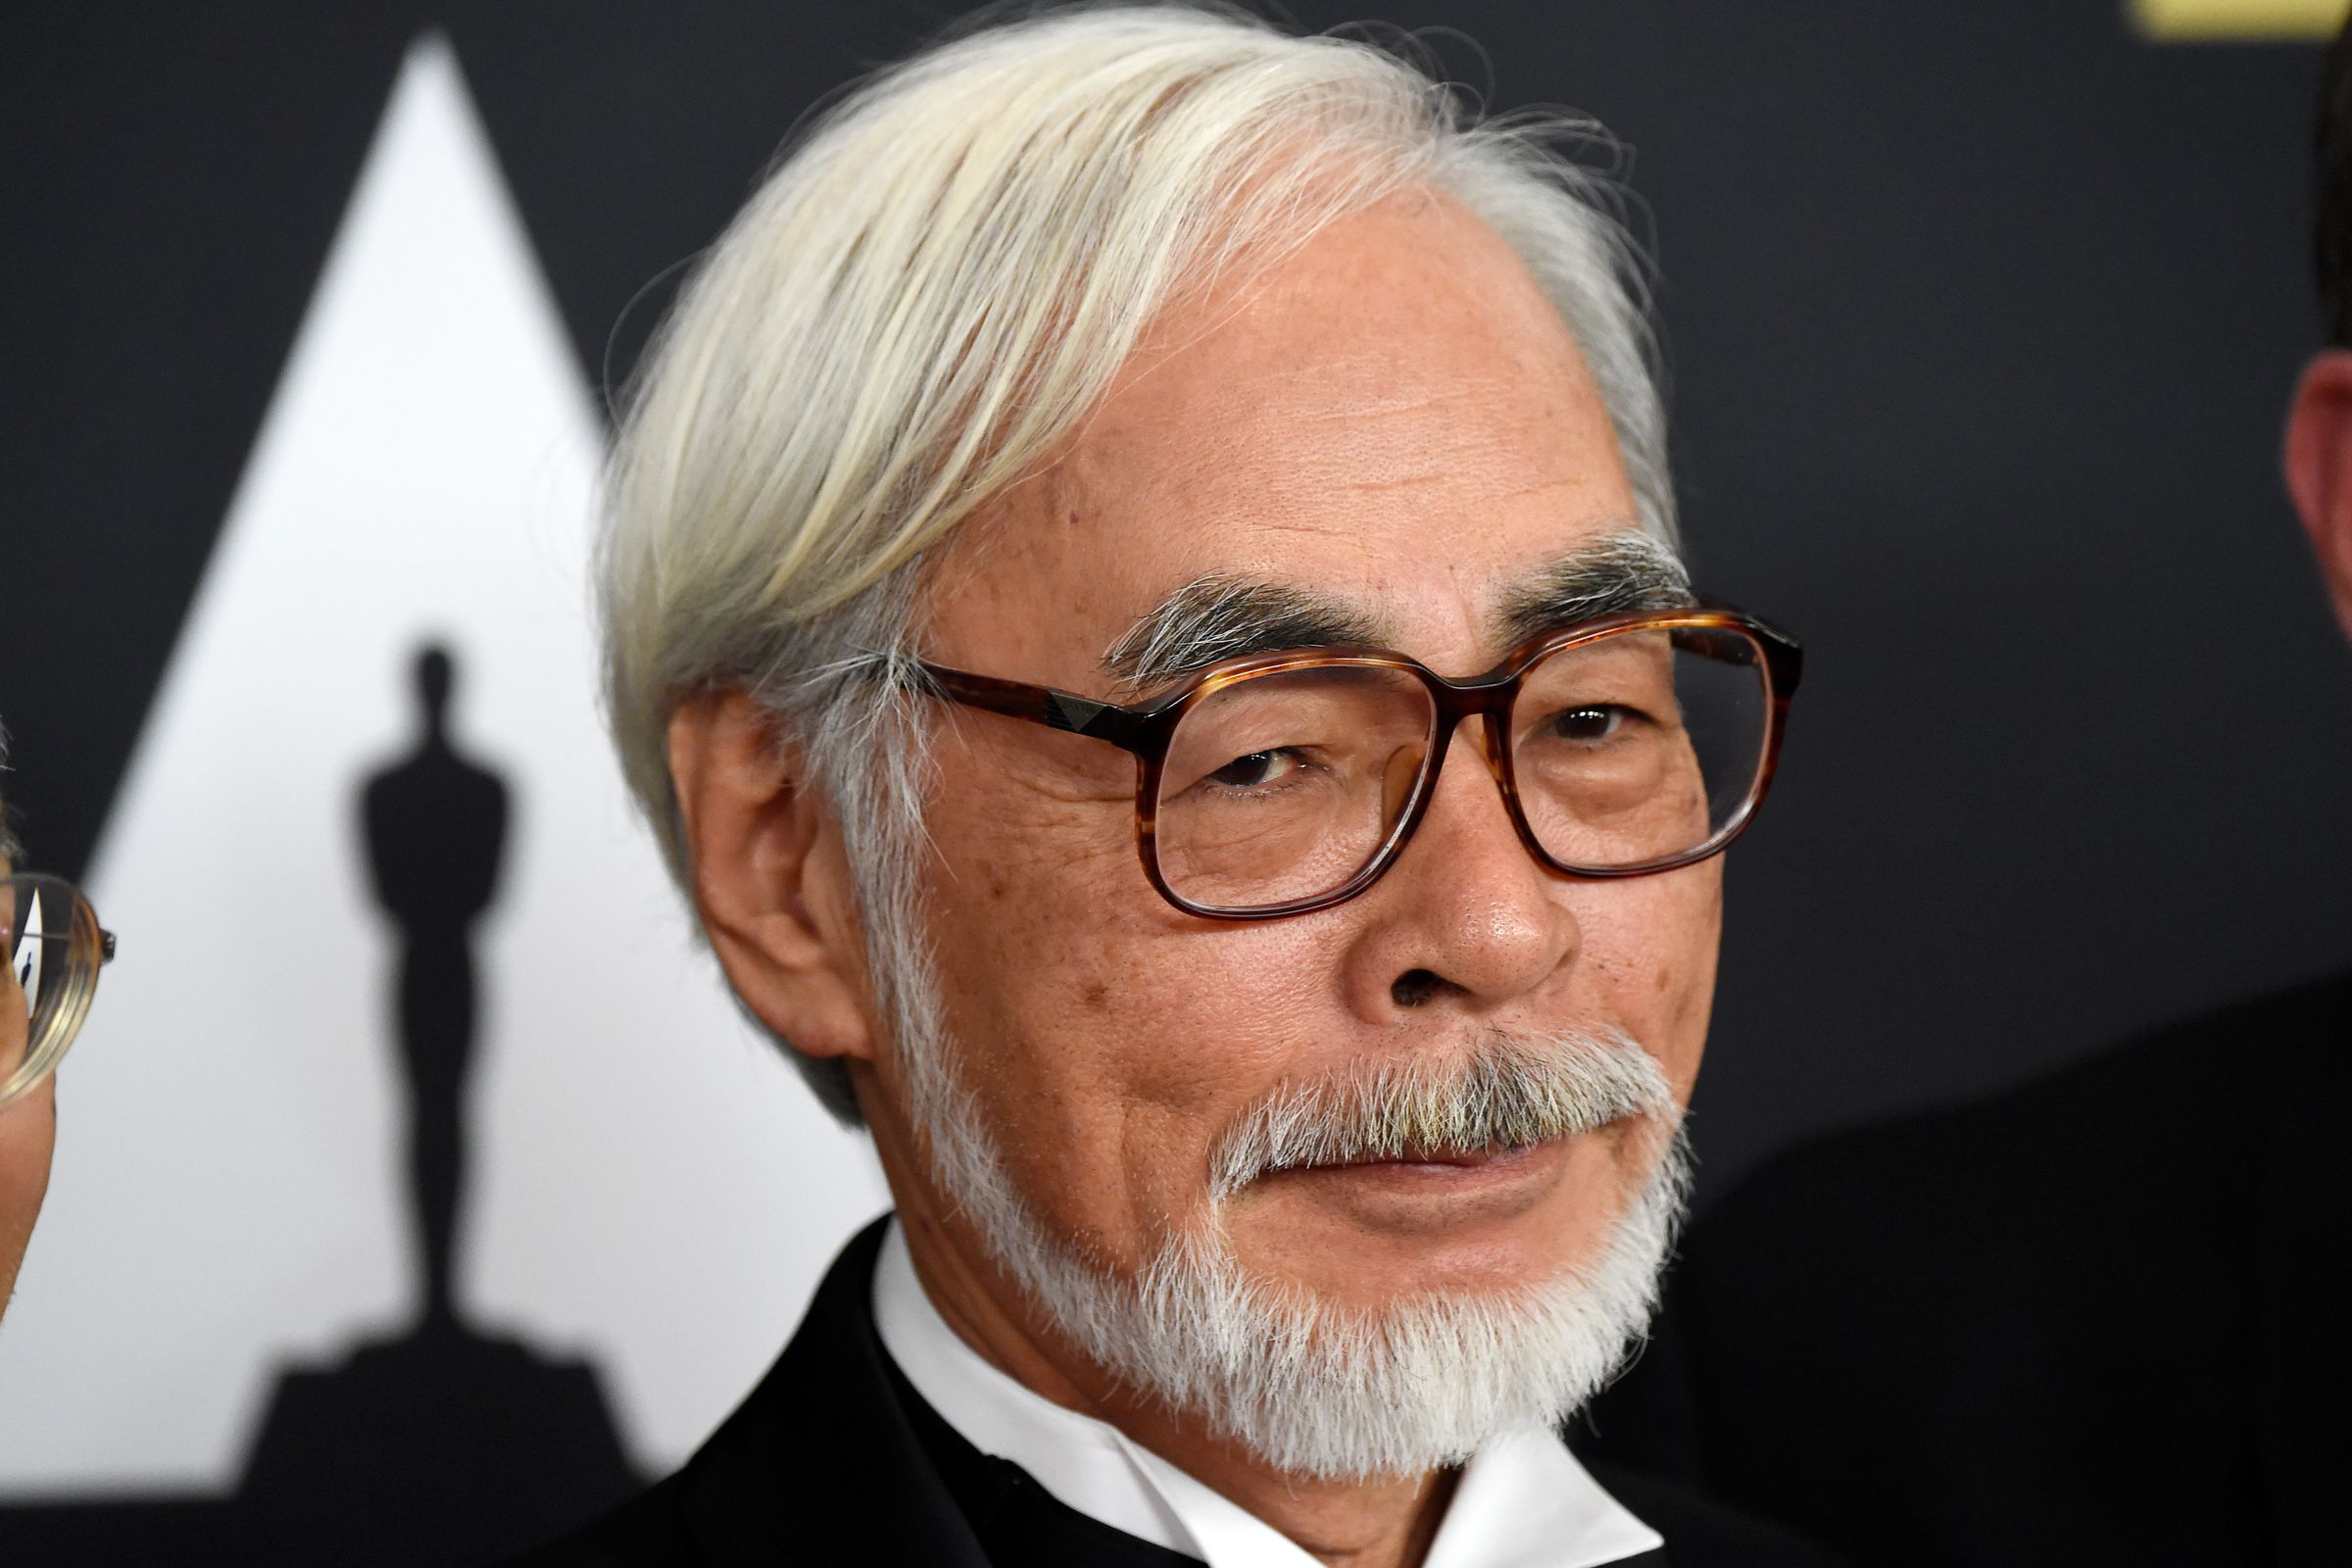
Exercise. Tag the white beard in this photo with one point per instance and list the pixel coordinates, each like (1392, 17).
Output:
(1311, 1387)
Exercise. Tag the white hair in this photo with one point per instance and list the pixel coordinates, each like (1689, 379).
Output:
(924, 299)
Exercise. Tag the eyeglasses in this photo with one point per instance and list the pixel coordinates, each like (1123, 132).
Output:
(1280, 783)
(54, 946)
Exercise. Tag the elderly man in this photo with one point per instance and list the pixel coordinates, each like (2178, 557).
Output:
(1068, 528)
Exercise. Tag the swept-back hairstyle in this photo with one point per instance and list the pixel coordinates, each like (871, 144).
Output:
(926, 296)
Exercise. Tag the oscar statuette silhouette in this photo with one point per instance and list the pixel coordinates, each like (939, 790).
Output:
(446, 1445)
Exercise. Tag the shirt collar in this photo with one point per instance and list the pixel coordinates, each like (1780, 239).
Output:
(1523, 1500)
(1524, 1503)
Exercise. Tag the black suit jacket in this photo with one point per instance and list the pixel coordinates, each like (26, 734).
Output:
(835, 1460)
(2099, 1319)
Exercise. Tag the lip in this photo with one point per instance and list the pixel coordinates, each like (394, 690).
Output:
(1440, 1194)
(1476, 1160)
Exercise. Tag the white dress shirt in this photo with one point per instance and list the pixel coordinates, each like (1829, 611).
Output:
(1522, 1501)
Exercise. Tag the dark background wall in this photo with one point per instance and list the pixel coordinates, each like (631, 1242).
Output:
(1983, 318)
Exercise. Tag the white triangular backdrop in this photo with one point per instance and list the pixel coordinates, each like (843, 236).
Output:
(651, 1186)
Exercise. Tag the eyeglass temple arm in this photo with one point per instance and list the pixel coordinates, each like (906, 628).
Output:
(105, 939)
(1784, 653)
(106, 943)
(1784, 656)
(1038, 704)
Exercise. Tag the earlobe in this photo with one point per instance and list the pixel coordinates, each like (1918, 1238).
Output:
(2319, 470)
(770, 881)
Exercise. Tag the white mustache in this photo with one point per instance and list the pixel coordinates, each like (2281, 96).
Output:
(1510, 1094)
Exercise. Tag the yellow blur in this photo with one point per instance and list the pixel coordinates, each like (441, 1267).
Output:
(2217, 20)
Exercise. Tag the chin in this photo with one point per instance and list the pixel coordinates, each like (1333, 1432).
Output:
(1326, 1373)
(1391, 1265)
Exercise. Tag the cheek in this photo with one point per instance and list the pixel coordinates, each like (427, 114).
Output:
(1108, 1036)
(1650, 945)
(28, 1132)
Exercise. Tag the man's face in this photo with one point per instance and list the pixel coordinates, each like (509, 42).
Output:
(27, 1128)
(1396, 422)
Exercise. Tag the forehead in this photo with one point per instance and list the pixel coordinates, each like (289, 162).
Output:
(1394, 416)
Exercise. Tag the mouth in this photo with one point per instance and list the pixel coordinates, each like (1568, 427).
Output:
(1428, 1160)
(1447, 1178)
(1454, 1195)
(1428, 1148)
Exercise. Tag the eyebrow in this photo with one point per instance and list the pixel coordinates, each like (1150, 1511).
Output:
(1224, 615)
(1619, 572)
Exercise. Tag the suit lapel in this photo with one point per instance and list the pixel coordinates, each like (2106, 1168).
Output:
(820, 1465)
(1016, 1520)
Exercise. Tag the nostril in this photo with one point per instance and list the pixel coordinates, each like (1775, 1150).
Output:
(1418, 987)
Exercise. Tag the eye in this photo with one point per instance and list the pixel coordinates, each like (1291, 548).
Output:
(1256, 769)
(1595, 721)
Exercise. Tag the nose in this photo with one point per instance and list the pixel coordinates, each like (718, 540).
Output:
(1465, 918)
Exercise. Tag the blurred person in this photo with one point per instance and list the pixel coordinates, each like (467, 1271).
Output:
(1030, 554)
(2097, 1318)
(28, 1121)
(52, 947)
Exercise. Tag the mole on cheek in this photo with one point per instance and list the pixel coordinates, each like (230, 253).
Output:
(1096, 995)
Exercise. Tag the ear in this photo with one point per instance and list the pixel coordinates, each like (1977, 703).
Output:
(771, 877)
(2319, 470)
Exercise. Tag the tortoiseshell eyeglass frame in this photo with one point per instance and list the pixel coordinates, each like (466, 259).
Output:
(1146, 728)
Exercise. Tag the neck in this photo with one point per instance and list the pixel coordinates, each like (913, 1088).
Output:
(1386, 1522)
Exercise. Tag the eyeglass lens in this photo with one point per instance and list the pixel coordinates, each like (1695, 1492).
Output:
(1625, 750)
(53, 945)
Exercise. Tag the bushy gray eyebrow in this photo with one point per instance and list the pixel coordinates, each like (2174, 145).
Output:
(1226, 616)
(1617, 571)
